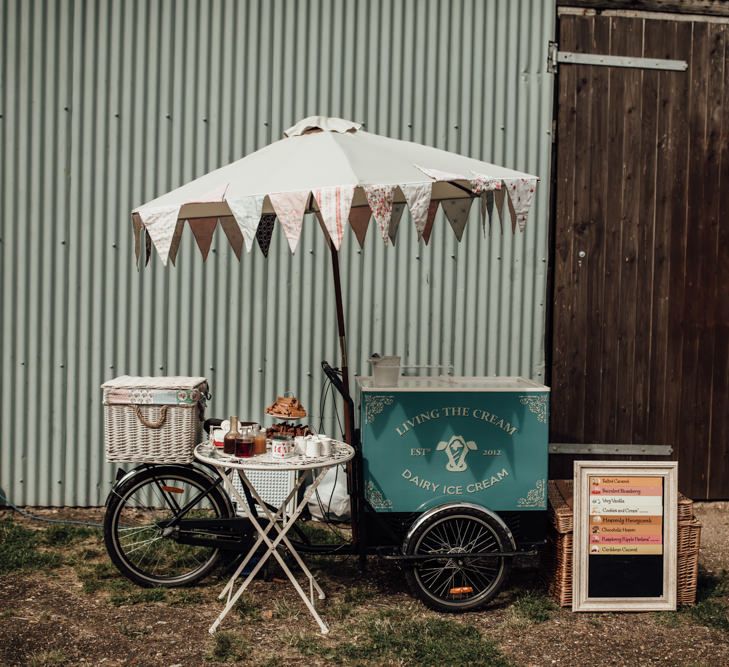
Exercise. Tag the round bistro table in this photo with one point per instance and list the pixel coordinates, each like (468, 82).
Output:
(228, 466)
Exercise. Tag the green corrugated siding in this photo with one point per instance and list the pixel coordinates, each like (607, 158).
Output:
(106, 105)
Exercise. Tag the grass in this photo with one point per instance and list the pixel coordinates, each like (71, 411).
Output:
(19, 549)
(711, 608)
(389, 637)
(533, 607)
(228, 647)
(46, 658)
(64, 534)
(353, 598)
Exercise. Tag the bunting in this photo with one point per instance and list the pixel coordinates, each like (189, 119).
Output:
(417, 196)
(160, 223)
(379, 198)
(359, 220)
(290, 208)
(247, 213)
(203, 230)
(334, 205)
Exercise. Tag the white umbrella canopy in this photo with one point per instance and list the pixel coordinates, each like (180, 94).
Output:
(342, 174)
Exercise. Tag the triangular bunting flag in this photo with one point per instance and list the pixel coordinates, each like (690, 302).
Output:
(235, 236)
(290, 208)
(499, 196)
(397, 210)
(147, 247)
(432, 210)
(334, 205)
(359, 219)
(521, 196)
(176, 238)
(379, 197)
(247, 214)
(160, 223)
(417, 196)
(265, 232)
(487, 209)
(457, 210)
(137, 226)
(203, 230)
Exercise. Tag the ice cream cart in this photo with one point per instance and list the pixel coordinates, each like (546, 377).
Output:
(455, 464)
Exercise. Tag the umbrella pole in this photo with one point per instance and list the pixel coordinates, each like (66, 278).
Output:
(354, 468)
(342, 341)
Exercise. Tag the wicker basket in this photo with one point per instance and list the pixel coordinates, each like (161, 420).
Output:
(153, 419)
(558, 554)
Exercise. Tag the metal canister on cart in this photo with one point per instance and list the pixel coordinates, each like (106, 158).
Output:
(281, 446)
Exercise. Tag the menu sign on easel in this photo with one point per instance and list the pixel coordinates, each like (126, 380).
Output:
(625, 535)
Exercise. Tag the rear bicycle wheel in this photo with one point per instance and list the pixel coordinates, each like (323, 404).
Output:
(458, 584)
(135, 533)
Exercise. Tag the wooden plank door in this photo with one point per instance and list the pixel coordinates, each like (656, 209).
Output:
(640, 324)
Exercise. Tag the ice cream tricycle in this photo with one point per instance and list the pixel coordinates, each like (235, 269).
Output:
(446, 475)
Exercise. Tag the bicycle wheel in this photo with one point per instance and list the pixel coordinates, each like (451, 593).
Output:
(457, 584)
(138, 541)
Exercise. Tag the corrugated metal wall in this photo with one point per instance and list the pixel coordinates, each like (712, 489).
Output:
(105, 105)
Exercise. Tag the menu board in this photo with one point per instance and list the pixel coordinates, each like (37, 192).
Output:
(626, 515)
(625, 538)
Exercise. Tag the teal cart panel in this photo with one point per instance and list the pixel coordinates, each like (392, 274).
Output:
(479, 440)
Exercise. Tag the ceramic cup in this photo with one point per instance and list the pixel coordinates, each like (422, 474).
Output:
(313, 447)
(326, 445)
(300, 445)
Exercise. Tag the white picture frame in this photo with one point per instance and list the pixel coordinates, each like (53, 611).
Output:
(583, 471)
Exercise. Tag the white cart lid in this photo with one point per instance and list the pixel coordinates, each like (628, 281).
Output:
(454, 383)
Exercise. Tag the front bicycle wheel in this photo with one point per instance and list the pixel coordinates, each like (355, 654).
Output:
(468, 579)
(136, 534)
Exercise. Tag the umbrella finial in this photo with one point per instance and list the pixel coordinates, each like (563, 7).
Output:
(321, 124)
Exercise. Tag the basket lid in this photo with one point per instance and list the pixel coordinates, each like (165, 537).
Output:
(156, 382)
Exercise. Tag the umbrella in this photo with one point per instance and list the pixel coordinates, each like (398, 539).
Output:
(345, 176)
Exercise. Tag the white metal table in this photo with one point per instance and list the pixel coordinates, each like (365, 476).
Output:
(228, 466)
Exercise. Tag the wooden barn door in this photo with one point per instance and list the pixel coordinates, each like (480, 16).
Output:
(640, 335)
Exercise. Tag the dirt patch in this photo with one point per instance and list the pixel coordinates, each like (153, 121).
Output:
(73, 608)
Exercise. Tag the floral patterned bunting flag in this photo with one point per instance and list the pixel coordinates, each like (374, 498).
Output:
(334, 205)
(521, 196)
(417, 196)
(290, 208)
(379, 197)
(359, 219)
(247, 213)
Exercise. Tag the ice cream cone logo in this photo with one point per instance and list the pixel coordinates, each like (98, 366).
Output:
(456, 449)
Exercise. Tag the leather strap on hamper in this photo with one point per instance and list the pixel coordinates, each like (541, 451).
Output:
(150, 424)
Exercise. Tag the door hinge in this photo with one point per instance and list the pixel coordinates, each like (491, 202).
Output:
(555, 56)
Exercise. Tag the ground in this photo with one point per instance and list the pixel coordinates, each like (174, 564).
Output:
(63, 603)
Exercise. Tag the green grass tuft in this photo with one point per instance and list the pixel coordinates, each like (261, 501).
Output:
(64, 534)
(389, 637)
(228, 647)
(711, 613)
(19, 549)
(534, 607)
(138, 596)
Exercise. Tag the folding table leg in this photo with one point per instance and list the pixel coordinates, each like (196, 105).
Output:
(272, 551)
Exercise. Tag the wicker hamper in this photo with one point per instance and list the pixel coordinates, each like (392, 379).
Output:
(153, 419)
(558, 554)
